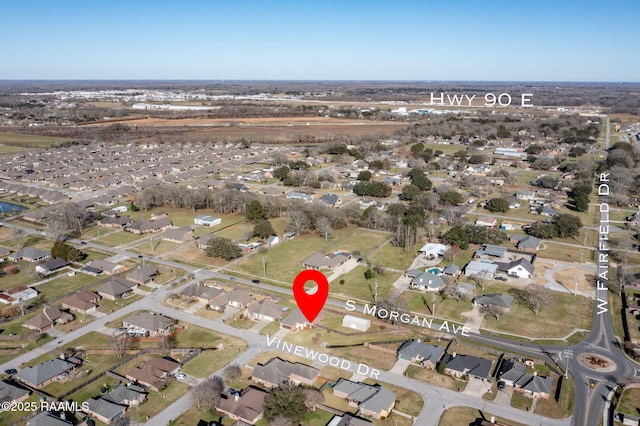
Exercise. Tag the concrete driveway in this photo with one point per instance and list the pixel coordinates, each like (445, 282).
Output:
(474, 319)
(400, 366)
(476, 387)
(504, 397)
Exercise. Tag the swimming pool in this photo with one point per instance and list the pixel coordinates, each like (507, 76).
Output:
(434, 271)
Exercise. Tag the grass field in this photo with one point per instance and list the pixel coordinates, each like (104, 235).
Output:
(355, 285)
(64, 284)
(630, 402)
(567, 313)
(15, 142)
(394, 257)
(283, 261)
(464, 416)
(564, 407)
(358, 352)
(445, 308)
(433, 378)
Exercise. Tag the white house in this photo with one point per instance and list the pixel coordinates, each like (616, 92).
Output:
(520, 268)
(205, 220)
(480, 269)
(356, 323)
(432, 250)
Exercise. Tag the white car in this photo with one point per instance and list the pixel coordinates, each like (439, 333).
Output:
(181, 376)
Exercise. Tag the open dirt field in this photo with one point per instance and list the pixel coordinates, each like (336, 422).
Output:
(566, 277)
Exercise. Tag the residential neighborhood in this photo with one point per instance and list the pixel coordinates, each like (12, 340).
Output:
(150, 279)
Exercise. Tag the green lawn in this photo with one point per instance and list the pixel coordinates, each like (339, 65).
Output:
(64, 284)
(394, 257)
(407, 401)
(14, 142)
(361, 241)
(567, 313)
(283, 260)
(120, 237)
(564, 407)
(464, 416)
(630, 402)
(355, 285)
(432, 377)
(445, 308)
(95, 364)
(355, 351)
(13, 417)
(158, 401)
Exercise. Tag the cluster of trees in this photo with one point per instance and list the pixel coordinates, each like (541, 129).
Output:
(288, 404)
(497, 205)
(372, 189)
(561, 226)
(223, 248)
(623, 166)
(61, 250)
(462, 236)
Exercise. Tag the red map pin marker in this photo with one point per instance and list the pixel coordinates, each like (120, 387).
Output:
(310, 304)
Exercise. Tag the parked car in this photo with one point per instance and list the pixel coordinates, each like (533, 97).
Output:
(501, 385)
(233, 279)
(181, 376)
(255, 281)
(502, 279)
(11, 371)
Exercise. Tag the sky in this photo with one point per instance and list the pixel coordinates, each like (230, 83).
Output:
(425, 40)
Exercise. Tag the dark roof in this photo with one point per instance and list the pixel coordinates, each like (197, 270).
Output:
(44, 371)
(500, 300)
(278, 371)
(475, 366)
(105, 408)
(414, 349)
(528, 241)
(330, 199)
(54, 264)
(373, 398)
(451, 269)
(491, 250)
(535, 383)
(11, 391)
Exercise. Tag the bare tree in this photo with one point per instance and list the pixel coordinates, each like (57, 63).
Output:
(538, 297)
(313, 398)
(323, 226)
(122, 343)
(299, 222)
(492, 310)
(207, 393)
(19, 235)
(247, 232)
(232, 371)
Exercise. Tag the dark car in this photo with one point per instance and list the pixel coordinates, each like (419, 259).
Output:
(255, 281)
(84, 243)
(501, 279)
(11, 371)
(500, 385)
(233, 278)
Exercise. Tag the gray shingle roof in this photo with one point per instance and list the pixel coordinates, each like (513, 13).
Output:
(44, 371)
(104, 407)
(414, 349)
(500, 300)
(475, 366)
(278, 371)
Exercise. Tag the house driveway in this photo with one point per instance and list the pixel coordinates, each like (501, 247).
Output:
(259, 326)
(477, 387)
(400, 366)
(504, 397)
(474, 319)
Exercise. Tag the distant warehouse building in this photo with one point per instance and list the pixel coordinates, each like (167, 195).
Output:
(356, 323)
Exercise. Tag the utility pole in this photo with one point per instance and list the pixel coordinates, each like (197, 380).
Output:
(584, 244)
(375, 291)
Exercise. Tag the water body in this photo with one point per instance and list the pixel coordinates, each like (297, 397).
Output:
(10, 208)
